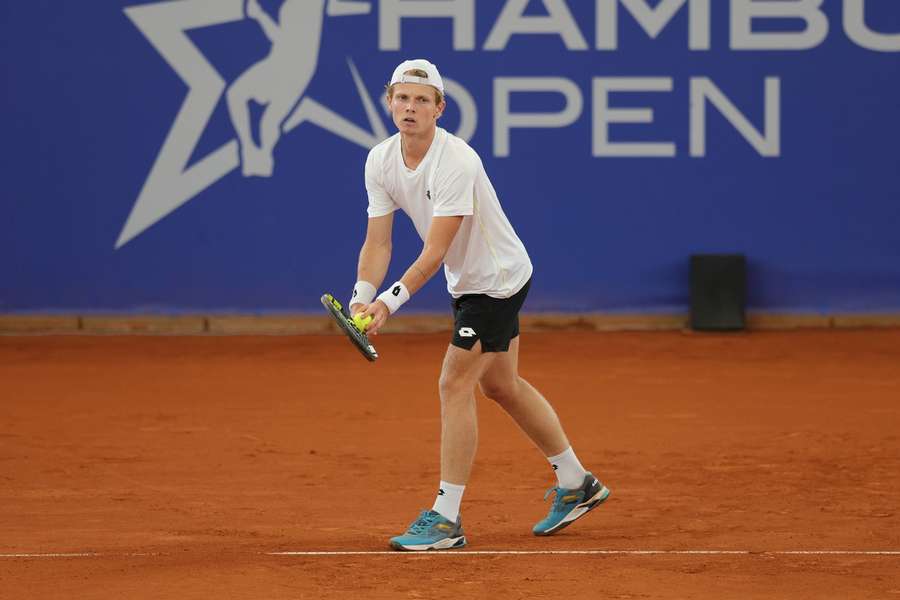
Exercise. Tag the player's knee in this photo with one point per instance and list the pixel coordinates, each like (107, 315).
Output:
(501, 392)
(451, 387)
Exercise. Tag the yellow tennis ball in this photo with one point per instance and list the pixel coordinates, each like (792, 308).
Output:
(362, 322)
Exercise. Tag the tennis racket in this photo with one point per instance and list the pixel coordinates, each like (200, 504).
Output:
(346, 324)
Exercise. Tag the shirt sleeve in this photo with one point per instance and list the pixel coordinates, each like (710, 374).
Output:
(455, 187)
(380, 202)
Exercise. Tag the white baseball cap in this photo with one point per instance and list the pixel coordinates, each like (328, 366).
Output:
(433, 79)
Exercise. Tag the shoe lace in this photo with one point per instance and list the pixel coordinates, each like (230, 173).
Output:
(557, 490)
(558, 503)
(423, 523)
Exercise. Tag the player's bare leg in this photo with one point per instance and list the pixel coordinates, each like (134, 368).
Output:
(459, 418)
(578, 491)
(528, 408)
(441, 527)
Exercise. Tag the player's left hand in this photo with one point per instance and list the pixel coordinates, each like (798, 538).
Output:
(379, 313)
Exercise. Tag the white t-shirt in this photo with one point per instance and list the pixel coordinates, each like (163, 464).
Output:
(486, 256)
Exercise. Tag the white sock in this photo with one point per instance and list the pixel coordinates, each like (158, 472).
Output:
(448, 500)
(569, 472)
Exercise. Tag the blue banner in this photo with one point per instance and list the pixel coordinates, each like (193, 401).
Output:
(207, 155)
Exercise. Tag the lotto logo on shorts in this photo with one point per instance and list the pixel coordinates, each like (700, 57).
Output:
(467, 332)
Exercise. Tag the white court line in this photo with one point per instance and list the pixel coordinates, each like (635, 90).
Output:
(493, 553)
(78, 555)
(598, 552)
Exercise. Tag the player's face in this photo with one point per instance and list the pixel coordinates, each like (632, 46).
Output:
(414, 108)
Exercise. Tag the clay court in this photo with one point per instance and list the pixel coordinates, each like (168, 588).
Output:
(755, 465)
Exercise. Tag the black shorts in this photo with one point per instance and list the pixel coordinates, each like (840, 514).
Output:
(493, 321)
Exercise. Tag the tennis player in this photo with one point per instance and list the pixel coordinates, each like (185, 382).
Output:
(440, 183)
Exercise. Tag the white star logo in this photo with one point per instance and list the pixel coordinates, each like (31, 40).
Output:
(171, 181)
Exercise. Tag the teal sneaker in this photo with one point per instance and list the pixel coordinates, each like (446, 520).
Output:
(431, 531)
(570, 505)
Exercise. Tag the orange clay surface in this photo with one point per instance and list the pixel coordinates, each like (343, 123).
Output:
(178, 464)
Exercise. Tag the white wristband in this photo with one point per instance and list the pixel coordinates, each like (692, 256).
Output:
(363, 293)
(394, 296)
